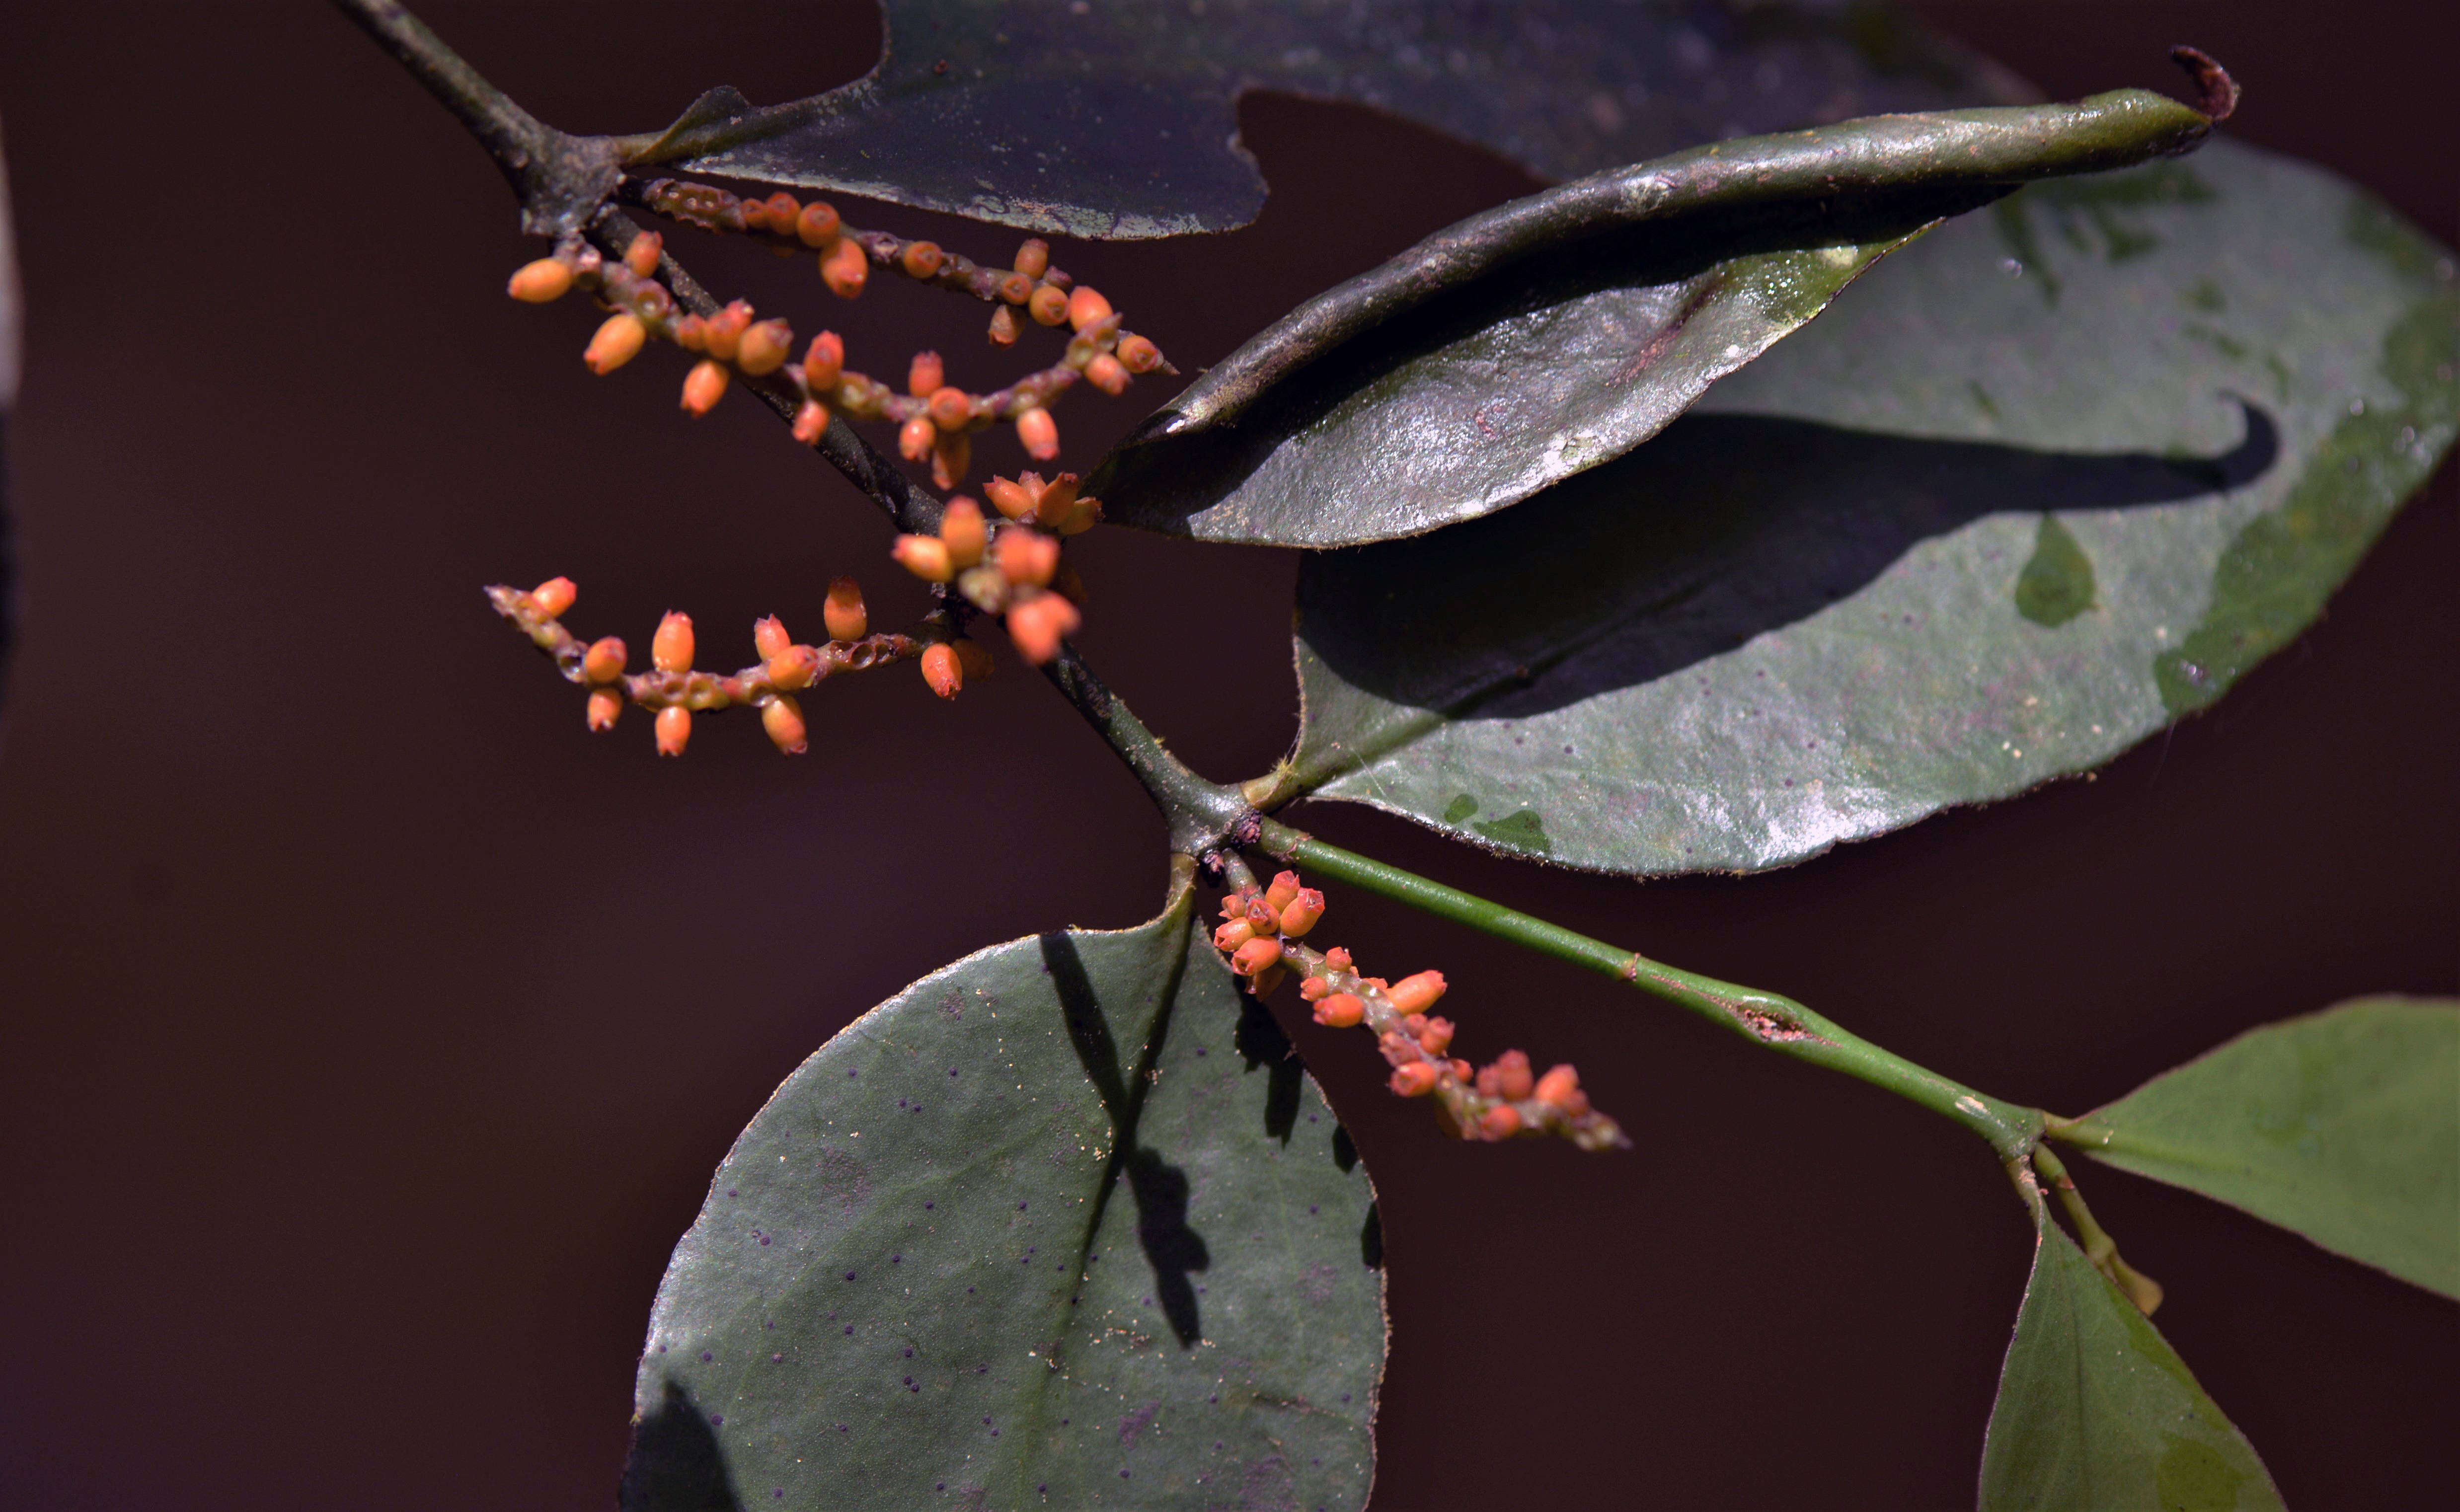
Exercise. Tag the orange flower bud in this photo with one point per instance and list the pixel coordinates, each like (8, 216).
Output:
(1002, 331)
(923, 259)
(927, 557)
(1340, 1011)
(642, 255)
(1499, 1123)
(793, 667)
(604, 661)
(973, 658)
(692, 334)
(617, 342)
(539, 281)
(1414, 994)
(705, 384)
(951, 455)
(1049, 305)
(764, 348)
(604, 704)
(1033, 257)
(1039, 433)
(962, 532)
(848, 619)
(1107, 373)
(769, 636)
(1511, 1078)
(951, 407)
(1087, 306)
(1232, 935)
(670, 649)
(1082, 515)
(783, 209)
(554, 596)
(1058, 497)
(754, 214)
(811, 422)
(1009, 499)
(1559, 1086)
(925, 374)
(1263, 917)
(1460, 1070)
(1038, 625)
(817, 224)
(942, 670)
(845, 269)
(916, 437)
(1234, 906)
(722, 333)
(1434, 1036)
(1027, 556)
(1302, 912)
(824, 362)
(1416, 1079)
(783, 718)
(675, 730)
(1337, 959)
(1315, 988)
(1256, 955)
(1278, 892)
(1136, 354)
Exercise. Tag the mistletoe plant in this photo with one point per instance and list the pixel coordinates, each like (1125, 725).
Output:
(1063, 1223)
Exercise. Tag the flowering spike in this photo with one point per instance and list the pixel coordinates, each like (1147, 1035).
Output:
(927, 557)
(604, 705)
(962, 532)
(1086, 307)
(641, 256)
(848, 619)
(845, 269)
(673, 728)
(1039, 433)
(1049, 305)
(817, 224)
(704, 385)
(824, 363)
(942, 670)
(603, 662)
(540, 282)
(670, 649)
(764, 348)
(617, 342)
(1107, 373)
(783, 719)
(925, 374)
(811, 422)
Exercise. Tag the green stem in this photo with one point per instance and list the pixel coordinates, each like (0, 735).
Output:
(1764, 1018)
(2097, 1245)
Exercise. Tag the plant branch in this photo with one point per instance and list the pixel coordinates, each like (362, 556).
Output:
(1764, 1018)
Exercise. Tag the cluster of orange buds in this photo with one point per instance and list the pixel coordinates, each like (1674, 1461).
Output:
(674, 691)
(1015, 572)
(1263, 933)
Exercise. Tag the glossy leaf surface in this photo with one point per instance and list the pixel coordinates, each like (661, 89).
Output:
(1543, 338)
(1118, 117)
(1044, 1230)
(2097, 1414)
(2343, 1126)
(2046, 481)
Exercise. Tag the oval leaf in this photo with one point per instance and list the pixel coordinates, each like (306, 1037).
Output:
(1118, 118)
(2097, 1414)
(1532, 341)
(2343, 1126)
(1981, 525)
(1042, 1231)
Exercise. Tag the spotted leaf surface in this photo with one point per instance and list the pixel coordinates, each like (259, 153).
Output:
(2054, 476)
(2343, 1126)
(1531, 342)
(1062, 1224)
(1118, 117)
(2097, 1414)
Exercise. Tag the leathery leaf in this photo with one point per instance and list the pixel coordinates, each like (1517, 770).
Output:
(2043, 482)
(1118, 118)
(2343, 1126)
(2097, 1414)
(1541, 338)
(1061, 1225)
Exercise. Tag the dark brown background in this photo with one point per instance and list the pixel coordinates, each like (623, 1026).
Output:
(372, 1029)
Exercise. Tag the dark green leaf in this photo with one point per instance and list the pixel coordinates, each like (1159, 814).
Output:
(1535, 340)
(1831, 608)
(1118, 117)
(1062, 1224)
(2097, 1414)
(2343, 1125)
